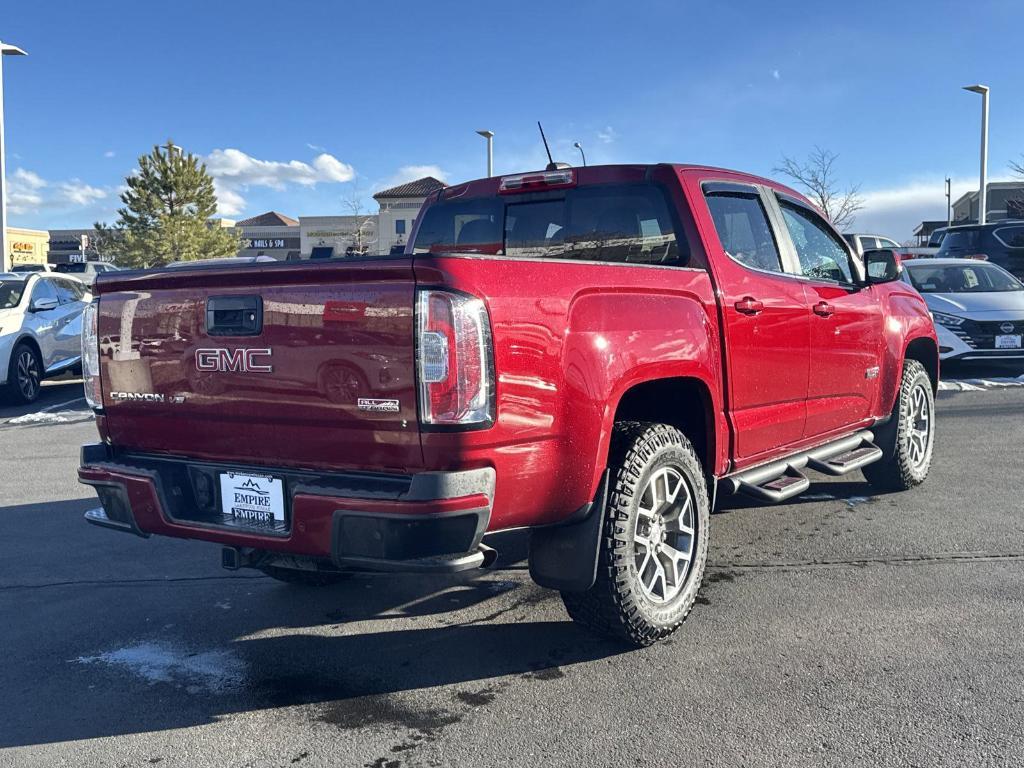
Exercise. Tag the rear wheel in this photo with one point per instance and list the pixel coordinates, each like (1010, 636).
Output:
(655, 540)
(305, 578)
(908, 438)
(25, 374)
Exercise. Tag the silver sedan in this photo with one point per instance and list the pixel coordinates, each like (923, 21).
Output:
(978, 307)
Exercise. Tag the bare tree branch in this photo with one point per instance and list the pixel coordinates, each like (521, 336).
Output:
(1017, 166)
(817, 176)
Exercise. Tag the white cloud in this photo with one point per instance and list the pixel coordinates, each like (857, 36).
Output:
(409, 173)
(316, 147)
(109, 153)
(776, 75)
(30, 193)
(607, 135)
(234, 172)
(896, 211)
(229, 202)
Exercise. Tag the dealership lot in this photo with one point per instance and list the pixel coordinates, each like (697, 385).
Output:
(841, 629)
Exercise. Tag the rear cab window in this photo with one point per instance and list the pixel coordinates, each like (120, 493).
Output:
(615, 223)
(742, 226)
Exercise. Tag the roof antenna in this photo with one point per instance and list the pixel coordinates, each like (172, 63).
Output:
(552, 165)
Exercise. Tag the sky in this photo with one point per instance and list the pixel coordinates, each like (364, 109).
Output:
(301, 106)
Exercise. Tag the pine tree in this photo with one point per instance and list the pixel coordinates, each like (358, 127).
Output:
(166, 215)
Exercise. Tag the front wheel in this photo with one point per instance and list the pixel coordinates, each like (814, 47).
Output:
(25, 374)
(907, 440)
(655, 540)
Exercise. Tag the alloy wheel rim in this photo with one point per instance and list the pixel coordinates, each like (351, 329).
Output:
(28, 374)
(920, 430)
(664, 536)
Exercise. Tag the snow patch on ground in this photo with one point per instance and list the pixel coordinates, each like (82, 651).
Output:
(217, 671)
(57, 417)
(977, 385)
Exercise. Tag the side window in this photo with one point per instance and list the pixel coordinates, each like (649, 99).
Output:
(819, 252)
(43, 290)
(1011, 237)
(743, 230)
(884, 242)
(868, 243)
(66, 291)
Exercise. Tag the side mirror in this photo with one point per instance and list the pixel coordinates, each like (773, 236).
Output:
(881, 266)
(43, 305)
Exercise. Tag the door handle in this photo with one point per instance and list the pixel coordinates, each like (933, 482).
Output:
(823, 309)
(749, 306)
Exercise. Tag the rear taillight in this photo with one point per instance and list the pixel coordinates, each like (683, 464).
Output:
(976, 256)
(455, 359)
(91, 355)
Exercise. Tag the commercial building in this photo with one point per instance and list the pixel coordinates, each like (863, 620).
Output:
(1004, 200)
(323, 237)
(25, 246)
(398, 208)
(67, 245)
(270, 234)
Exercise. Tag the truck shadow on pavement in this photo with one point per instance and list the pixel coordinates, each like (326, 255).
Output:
(162, 640)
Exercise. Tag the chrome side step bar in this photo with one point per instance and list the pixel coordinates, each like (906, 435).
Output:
(781, 480)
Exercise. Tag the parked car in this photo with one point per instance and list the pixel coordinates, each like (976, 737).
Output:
(595, 354)
(977, 306)
(935, 238)
(40, 330)
(1001, 242)
(862, 243)
(21, 268)
(86, 271)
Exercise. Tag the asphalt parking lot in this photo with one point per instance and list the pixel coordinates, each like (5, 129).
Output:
(842, 629)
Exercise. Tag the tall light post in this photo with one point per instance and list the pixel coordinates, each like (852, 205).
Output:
(5, 50)
(489, 135)
(580, 148)
(949, 201)
(982, 192)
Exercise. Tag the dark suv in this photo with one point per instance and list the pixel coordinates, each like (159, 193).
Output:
(1001, 242)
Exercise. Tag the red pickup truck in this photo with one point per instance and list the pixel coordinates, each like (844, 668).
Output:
(591, 353)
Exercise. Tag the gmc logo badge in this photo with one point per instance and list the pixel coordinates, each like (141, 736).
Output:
(233, 361)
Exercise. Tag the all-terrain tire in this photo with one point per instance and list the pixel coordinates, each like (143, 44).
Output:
(617, 606)
(304, 578)
(905, 460)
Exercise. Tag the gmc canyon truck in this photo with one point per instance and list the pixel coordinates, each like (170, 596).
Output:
(594, 354)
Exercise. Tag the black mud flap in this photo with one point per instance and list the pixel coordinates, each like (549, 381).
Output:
(564, 557)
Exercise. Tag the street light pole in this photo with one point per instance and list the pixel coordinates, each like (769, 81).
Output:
(580, 148)
(949, 201)
(983, 183)
(5, 50)
(489, 135)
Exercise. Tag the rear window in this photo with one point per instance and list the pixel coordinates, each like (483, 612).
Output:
(962, 240)
(71, 268)
(628, 223)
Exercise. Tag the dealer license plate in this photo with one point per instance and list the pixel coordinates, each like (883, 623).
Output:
(256, 500)
(1008, 341)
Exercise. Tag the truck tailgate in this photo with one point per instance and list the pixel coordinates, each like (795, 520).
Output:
(325, 380)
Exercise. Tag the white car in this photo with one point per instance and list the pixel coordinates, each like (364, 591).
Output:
(978, 307)
(86, 271)
(40, 329)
